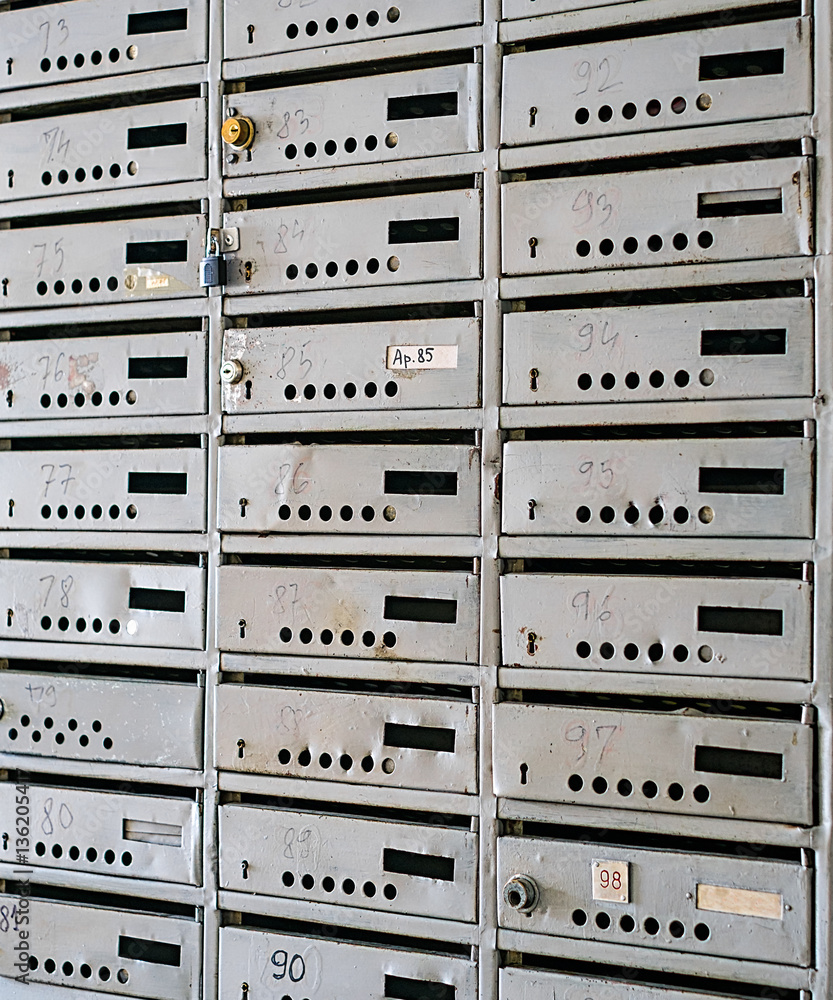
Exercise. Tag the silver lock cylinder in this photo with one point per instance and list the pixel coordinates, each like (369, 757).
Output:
(521, 893)
(232, 372)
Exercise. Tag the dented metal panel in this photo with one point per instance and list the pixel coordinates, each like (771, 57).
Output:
(119, 604)
(395, 867)
(680, 215)
(260, 27)
(109, 950)
(709, 487)
(703, 626)
(71, 717)
(711, 350)
(131, 836)
(538, 984)
(735, 768)
(396, 742)
(379, 241)
(269, 962)
(129, 376)
(152, 489)
(147, 144)
(352, 367)
(375, 614)
(386, 118)
(133, 259)
(354, 489)
(709, 77)
(667, 904)
(88, 39)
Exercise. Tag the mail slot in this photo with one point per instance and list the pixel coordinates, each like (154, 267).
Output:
(377, 241)
(404, 364)
(108, 949)
(399, 742)
(708, 350)
(735, 73)
(89, 39)
(76, 717)
(152, 489)
(376, 614)
(89, 264)
(736, 906)
(124, 376)
(705, 625)
(104, 833)
(137, 604)
(400, 867)
(674, 215)
(148, 144)
(260, 28)
(387, 118)
(741, 486)
(357, 489)
(710, 765)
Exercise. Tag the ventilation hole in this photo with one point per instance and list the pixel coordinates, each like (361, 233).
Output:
(706, 515)
(107, 743)
(290, 392)
(583, 514)
(80, 176)
(655, 243)
(114, 626)
(40, 848)
(701, 793)
(575, 782)
(331, 270)
(368, 513)
(348, 886)
(655, 652)
(631, 651)
(291, 151)
(351, 22)
(92, 854)
(352, 267)
(292, 272)
(599, 786)
(310, 150)
(284, 512)
(608, 380)
(350, 390)
(72, 725)
(607, 515)
(67, 968)
(96, 512)
(46, 401)
(308, 882)
(370, 390)
(288, 879)
(59, 738)
(678, 105)
(330, 147)
(122, 975)
(326, 513)
(74, 853)
(13, 734)
(325, 761)
(707, 377)
(675, 791)
(109, 857)
(311, 271)
(80, 625)
(369, 889)
(85, 971)
(284, 756)
(63, 176)
(46, 178)
(582, 116)
(346, 513)
(656, 514)
(653, 108)
(309, 392)
(606, 247)
(624, 787)
(305, 758)
(367, 764)
(42, 289)
(312, 28)
(112, 284)
(373, 265)
(286, 634)
(115, 170)
(680, 241)
(630, 244)
(607, 650)
(45, 65)
(389, 639)
(327, 884)
(650, 790)
(292, 31)
(97, 171)
(104, 973)
(629, 110)
(305, 635)
(63, 624)
(329, 390)
(59, 287)
(631, 514)
(702, 932)
(579, 918)
(583, 248)
(681, 653)
(583, 650)
(651, 926)
(705, 239)
(84, 740)
(304, 512)
(584, 381)
(327, 637)
(373, 19)
(656, 379)
(389, 891)
(370, 143)
(602, 920)
(605, 113)
(681, 515)
(347, 638)
(95, 284)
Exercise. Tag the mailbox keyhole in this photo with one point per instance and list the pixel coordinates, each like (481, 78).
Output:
(11, 508)
(9, 66)
(245, 866)
(530, 645)
(241, 744)
(251, 33)
(533, 379)
(524, 773)
(5, 841)
(249, 389)
(244, 988)
(9, 398)
(532, 505)
(533, 247)
(9, 616)
(248, 267)
(242, 624)
(5, 286)
(11, 178)
(243, 502)
(533, 112)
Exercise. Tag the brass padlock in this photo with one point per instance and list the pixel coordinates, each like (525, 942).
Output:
(239, 132)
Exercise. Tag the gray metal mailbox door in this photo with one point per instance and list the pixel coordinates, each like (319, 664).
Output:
(396, 742)
(154, 723)
(707, 487)
(373, 614)
(737, 907)
(702, 626)
(538, 984)
(395, 867)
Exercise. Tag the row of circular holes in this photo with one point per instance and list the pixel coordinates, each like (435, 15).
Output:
(350, 391)
(655, 515)
(83, 739)
(345, 761)
(96, 512)
(78, 286)
(656, 651)
(327, 637)
(650, 925)
(351, 22)
(350, 146)
(68, 969)
(81, 624)
(652, 109)
(92, 854)
(326, 513)
(351, 267)
(80, 399)
(654, 243)
(348, 886)
(656, 379)
(676, 792)
(97, 173)
(95, 58)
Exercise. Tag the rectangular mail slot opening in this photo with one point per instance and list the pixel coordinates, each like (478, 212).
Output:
(421, 609)
(151, 599)
(732, 65)
(173, 367)
(438, 484)
(741, 621)
(145, 832)
(743, 763)
(726, 204)
(424, 231)
(151, 136)
(757, 481)
(419, 865)
(157, 252)
(142, 950)
(729, 343)
(157, 20)
(402, 109)
(162, 483)
(419, 737)
(398, 988)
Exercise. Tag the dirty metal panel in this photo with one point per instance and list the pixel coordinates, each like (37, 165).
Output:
(89, 39)
(150, 489)
(69, 717)
(735, 73)
(349, 367)
(376, 119)
(127, 953)
(662, 910)
(259, 27)
(375, 614)
(102, 603)
(397, 742)
(680, 215)
(103, 150)
(131, 376)
(514, 9)
(129, 260)
(396, 867)
(708, 487)
(537, 984)
(379, 241)
(130, 836)
(269, 962)
(710, 350)
(350, 489)
(704, 626)
(735, 768)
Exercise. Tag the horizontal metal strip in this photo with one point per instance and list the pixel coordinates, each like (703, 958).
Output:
(337, 545)
(109, 540)
(95, 201)
(766, 550)
(383, 670)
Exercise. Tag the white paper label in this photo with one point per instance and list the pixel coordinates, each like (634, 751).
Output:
(160, 281)
(610, 881)
(409, 358)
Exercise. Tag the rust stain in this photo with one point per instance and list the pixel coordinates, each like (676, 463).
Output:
(5, 376)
